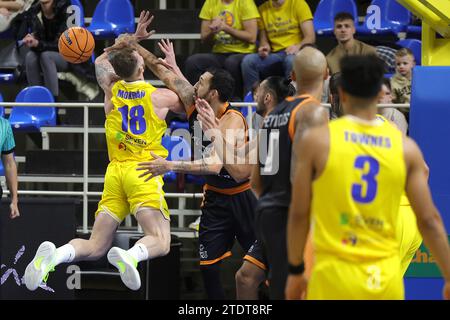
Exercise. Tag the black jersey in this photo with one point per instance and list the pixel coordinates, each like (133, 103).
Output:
(201, 146)
(276, 144)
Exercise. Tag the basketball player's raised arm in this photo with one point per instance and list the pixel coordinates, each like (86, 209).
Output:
(106, 77)
(428, 218)
(236, 156)
(208, 165)
(309, 116)
(180, 86)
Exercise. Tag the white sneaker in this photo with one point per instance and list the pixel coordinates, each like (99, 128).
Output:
(195, 225)
(127, 267)
(38, 269)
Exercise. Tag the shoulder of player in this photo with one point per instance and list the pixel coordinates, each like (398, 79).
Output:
(162, 97)
(410, 148)
(232, 118)
(316, 138)
(310, 109)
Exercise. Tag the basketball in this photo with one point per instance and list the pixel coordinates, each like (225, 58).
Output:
(76, 45)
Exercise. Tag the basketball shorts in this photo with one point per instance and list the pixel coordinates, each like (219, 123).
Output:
(225, 218)
(409, 236)
(124, 192)
(335, 279)
(255, 255)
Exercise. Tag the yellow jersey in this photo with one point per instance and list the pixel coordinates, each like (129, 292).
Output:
(132, 128)
(356, 199)
(282, 24)
(233, 14)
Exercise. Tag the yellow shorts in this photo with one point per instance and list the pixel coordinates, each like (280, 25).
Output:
(336, 279)
(409, 236)
(124, 192)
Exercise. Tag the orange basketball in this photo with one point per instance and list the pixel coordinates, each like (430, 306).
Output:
(76, 45)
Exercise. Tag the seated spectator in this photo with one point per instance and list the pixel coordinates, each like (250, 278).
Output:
(232, 26)
(392, 114)
(401, 81)
(344, 30)
(387, 54)
(48, 21)
(336, 109)
(285, 26)
(9, 9)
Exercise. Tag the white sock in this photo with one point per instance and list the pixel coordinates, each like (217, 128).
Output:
(139, 252)
(65, 254)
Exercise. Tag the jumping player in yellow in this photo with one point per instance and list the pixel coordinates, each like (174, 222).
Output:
(407, 231)
(135, 123)
(368, 165)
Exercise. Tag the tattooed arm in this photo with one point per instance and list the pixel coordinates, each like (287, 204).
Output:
(181, 87)
(106, 78)
(159, 166)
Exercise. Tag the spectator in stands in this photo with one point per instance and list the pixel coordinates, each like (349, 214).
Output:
(336, 110)
(392, 114)
(48, 21)
(344, 30)
(285, 26)
(9, 9)
(387, 54)
(7, 146)
(232, 27)
(401, 81)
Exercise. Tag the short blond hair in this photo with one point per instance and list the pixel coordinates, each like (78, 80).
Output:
(403, 52)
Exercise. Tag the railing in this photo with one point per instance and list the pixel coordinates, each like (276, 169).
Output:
(86, 130)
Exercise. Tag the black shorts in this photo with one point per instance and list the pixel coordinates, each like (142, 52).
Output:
(255, 255)
(225, 218)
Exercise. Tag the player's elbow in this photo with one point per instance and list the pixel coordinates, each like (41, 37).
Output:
(430, 223)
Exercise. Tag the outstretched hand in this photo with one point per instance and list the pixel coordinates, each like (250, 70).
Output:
(158, 166)
(145, 19)
(169, 61)
(128, 40)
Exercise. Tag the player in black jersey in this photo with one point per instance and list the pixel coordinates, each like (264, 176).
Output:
(271, 179)
(270, 92)
(284, 125)
(228, 204)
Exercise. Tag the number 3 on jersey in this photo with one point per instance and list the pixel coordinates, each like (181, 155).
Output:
(368, 178)
(135, 119)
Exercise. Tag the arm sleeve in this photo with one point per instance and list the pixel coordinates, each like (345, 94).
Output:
(303, 11)
(206, 12)
(249, 10)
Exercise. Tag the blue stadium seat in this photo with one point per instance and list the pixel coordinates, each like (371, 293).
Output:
(394, 18)
(111, 18)
(7, 76)
(415, 46)
(326, 11)
(32, 118)
(79, 5)
(248, 98)
(2, 109)
(179, 149)
(174, 125)
(414, 32)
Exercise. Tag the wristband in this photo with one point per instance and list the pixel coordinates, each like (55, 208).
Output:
(297, 270)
